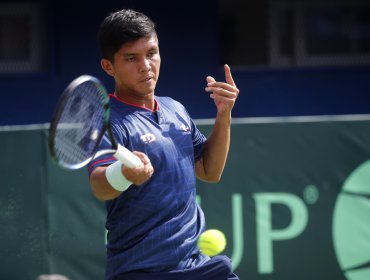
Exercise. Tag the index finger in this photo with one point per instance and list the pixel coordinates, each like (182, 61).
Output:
(228, 76)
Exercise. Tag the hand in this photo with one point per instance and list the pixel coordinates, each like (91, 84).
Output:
(139, 175)
(223, 94)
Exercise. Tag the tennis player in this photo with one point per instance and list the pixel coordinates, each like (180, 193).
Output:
(153, 220)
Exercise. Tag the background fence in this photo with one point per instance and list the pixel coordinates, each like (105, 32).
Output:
(293, 202)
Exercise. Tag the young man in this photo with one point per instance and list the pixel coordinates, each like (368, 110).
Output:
(153, 220)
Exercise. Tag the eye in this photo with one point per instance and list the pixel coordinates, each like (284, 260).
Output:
(152, 53)
(130, 58)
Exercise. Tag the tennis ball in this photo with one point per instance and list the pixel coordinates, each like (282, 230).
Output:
(212, 242)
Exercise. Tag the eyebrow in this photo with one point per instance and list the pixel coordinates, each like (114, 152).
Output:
(128, 54)
(131, 54)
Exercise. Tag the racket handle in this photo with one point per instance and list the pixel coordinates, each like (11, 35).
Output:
(127, 158)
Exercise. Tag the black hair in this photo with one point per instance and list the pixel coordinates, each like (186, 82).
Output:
(121, 27)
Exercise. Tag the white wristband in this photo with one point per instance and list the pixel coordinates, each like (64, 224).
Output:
(115, 178)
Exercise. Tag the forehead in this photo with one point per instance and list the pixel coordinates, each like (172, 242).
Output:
(141, 45)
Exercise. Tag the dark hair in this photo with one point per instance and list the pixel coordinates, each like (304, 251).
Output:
(121, 27)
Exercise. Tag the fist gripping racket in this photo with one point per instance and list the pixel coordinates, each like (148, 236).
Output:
(81, 118)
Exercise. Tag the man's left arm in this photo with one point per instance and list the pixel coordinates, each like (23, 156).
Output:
(211, 165)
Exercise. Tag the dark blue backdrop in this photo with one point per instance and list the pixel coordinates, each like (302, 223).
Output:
(190, 49)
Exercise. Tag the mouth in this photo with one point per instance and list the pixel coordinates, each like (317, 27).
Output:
(146, 79)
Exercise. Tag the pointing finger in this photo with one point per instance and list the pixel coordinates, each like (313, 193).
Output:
(228, 76)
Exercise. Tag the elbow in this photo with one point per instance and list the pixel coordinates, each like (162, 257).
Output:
(214, 179)
(211, 179)
(208, 174)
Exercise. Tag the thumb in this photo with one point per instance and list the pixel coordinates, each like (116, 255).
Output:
(210, 79)
(143, 157)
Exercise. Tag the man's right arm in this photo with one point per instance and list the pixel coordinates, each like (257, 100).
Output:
(100, 186)
(103, 190)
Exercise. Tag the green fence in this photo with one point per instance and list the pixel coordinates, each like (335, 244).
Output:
(294, 203)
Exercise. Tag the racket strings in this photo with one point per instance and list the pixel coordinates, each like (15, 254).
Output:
(81, 124)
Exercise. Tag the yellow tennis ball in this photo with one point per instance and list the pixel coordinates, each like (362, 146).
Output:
(212, 242)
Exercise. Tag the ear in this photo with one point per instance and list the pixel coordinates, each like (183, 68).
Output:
(107, 66)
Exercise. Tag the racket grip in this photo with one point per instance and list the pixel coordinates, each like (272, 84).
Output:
(127, 158)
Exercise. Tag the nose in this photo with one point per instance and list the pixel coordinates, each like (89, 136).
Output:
(145, 65)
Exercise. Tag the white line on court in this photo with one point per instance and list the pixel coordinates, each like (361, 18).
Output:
(292, 119)
(41, 126)
(251, 120)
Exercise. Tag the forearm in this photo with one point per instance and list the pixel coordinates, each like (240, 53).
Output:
(100, 185)
(120, 177)
(216, 149)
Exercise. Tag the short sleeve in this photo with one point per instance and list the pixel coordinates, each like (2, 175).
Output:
(104, 159)
(105, 144)
(198, 141)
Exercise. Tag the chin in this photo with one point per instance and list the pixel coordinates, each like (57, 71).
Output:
(150, 89)
(147, 92)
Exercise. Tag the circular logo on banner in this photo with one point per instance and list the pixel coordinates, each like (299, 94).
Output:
(351, 224)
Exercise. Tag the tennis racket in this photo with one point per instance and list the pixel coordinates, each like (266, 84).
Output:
(81, 118)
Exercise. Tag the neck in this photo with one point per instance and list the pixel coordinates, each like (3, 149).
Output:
(147, 101)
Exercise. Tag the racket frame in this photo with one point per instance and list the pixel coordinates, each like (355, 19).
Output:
(118, 151)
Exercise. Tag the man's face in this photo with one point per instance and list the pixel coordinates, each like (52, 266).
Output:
(136, 67)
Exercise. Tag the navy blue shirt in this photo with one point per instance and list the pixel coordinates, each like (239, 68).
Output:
(154, 227)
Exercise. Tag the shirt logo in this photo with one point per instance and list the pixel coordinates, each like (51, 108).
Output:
(147, 138)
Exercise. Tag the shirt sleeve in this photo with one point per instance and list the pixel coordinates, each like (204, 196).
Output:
(104, 159)
(105, 144)
(198, 141)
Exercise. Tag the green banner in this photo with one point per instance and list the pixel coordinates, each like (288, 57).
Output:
(51, 223)
(293, 202)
